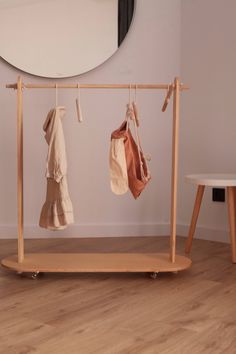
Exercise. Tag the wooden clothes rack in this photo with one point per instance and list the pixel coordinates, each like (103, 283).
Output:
(98, 262)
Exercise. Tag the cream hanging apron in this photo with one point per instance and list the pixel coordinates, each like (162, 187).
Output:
(57, 211)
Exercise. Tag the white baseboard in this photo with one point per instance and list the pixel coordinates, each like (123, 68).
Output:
(205, 233)
(113, 230)
(88, 230)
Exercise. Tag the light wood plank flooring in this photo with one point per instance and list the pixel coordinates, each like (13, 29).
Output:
(190, 312)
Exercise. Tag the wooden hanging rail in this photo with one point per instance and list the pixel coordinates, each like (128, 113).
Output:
(94, 262)
(96, 86)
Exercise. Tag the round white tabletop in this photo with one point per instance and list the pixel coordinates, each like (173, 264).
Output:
(213, 180)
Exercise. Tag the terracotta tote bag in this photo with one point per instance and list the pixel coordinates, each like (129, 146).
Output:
(136, 164)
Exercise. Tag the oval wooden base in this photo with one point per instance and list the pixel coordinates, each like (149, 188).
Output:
(96, 262)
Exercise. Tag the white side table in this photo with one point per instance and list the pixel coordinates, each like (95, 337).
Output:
(227, 181)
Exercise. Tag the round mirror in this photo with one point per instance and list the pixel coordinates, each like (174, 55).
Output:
(62, 38)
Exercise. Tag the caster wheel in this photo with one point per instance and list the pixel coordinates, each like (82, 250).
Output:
(34, 275)
(154, 275)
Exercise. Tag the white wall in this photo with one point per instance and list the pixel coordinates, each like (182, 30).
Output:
(150, 54)
(202, 33)
(208, 128)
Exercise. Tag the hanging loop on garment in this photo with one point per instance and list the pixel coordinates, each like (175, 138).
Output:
(130, 94)
(135, 108)
(56, 94)
(128, 115)
(135, 93)
(130, 110)
(78, 106)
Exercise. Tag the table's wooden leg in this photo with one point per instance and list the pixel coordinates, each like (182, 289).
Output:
(196, 209)
(234, 188)
(232, 223)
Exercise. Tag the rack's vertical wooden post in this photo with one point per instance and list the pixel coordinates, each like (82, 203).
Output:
(20, 170)
(175, 144)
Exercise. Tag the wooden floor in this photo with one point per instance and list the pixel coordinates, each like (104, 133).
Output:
(190, 312)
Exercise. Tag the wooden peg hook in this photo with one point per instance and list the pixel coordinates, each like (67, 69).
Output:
(168, 96)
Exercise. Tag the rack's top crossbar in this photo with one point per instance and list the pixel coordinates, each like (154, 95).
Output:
(97, 86)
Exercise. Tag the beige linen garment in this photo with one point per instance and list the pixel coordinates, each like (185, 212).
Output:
(57, 211)
(118, 167)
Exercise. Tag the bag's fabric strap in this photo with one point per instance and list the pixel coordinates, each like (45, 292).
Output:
(130, 115)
